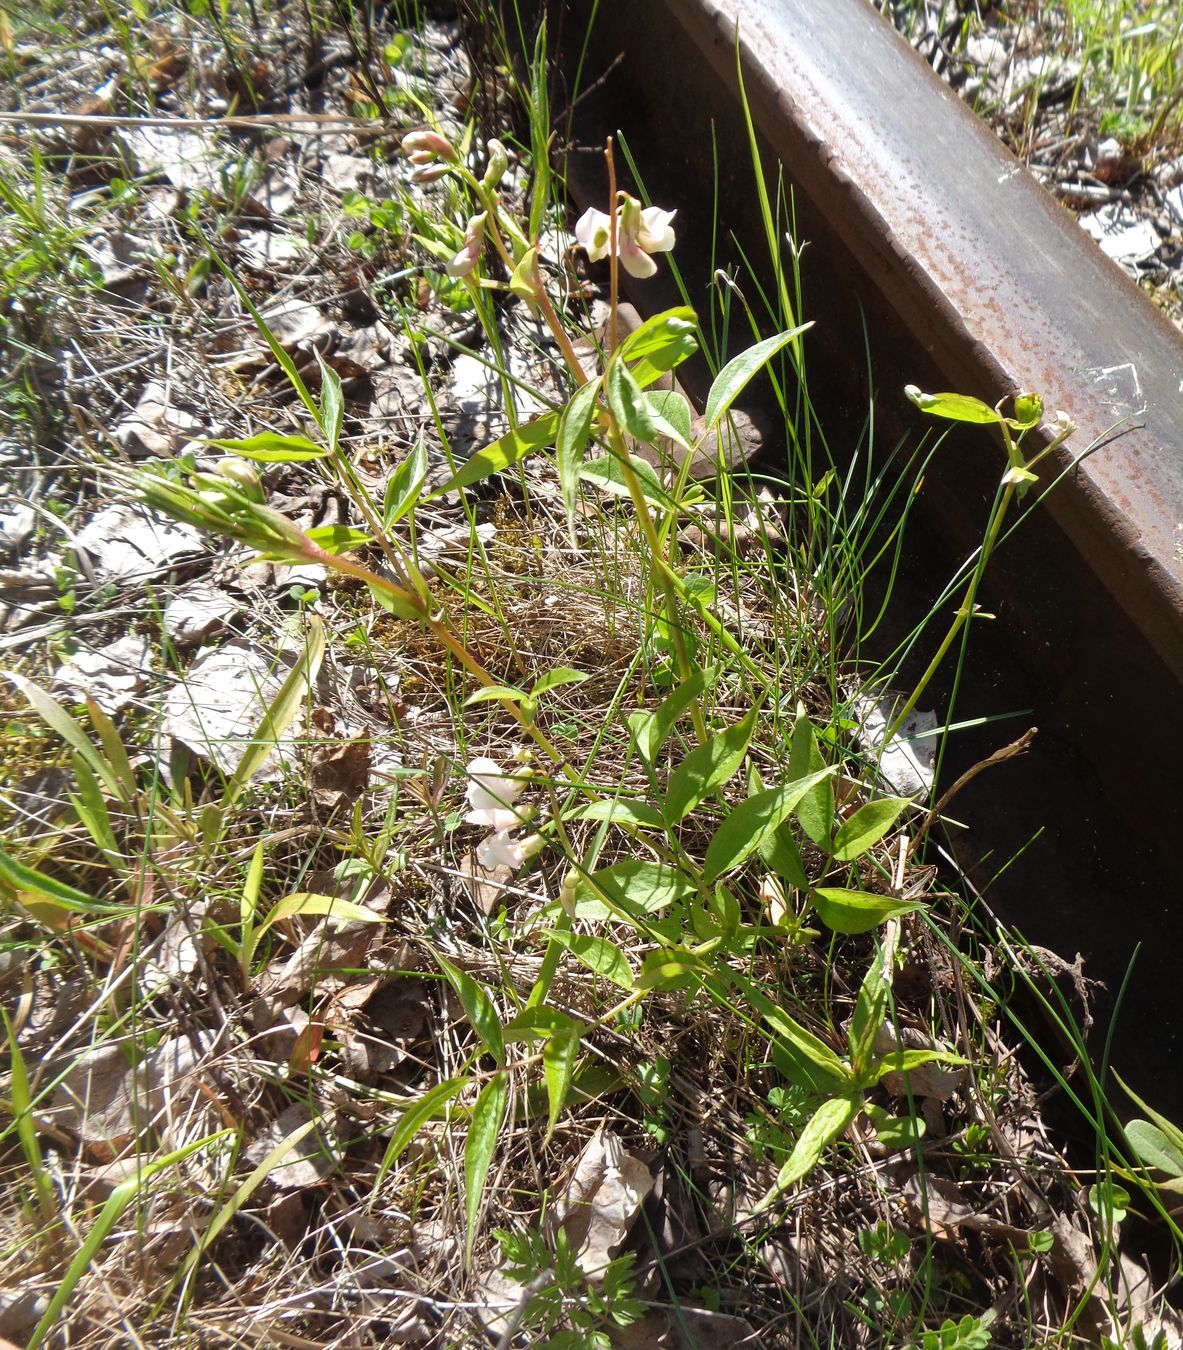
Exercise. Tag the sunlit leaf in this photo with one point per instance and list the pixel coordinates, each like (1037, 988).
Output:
(735, 375)
(270, 448)
(477, 1005)
(707, 768)
(515, 445)
(857, 911)
(952, 407)
(749, 824)
(483, 1129)
(867, 826)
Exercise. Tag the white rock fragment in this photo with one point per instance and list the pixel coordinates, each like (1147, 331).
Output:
(155, 427)
(219, 704)
(1121, 234)
(111, 675)
(197, 611)
(130, 543)
(188, 160)
(906, 765)
(17, 522)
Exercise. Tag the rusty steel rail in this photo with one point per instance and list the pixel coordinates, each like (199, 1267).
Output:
(932, 248)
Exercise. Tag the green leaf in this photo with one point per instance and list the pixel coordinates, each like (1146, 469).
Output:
(735, 375)
(953, 407)
(820, 1068)
(606, 475)
(28, 880)
(752, 822)
(635, 886)
(559, 1055)
(306, 903)
(1171, 1131)
(660, 344)
(412, 1121)
(537, 1024)
(477, 1005)
(515, 445)
(706, 769)
(332, 404)
(339, 538)
(1153, 1148)
(575, 427)
(780, 852)
(670, 969)
(816, 809)
(393, 604)
(124, 785)
(282, 712)
(504, 692)
(270, 448)
(599, 955)
(894, 1132)
(828, 1122)
(870, 1008)
(483, 1129)
(650, 729)
(622, 811)
(628, 405)
(904, 1061)
(866, 827)
(404, 485)
(857, 911)
(51, 712)
(668, 406)
(554, 678)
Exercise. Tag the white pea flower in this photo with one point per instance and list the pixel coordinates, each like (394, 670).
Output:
(491, 795)
(501, 850)
(639, 232)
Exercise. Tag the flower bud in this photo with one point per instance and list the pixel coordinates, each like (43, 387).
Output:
(424, 147)
(474, 236)
(243, 474)
(430, 173)
(498, 164)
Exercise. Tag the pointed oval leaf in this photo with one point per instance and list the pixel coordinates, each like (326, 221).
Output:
(332, 404)
(867, 826)
(779, 850)
(412, 1121)
(271, 448)
(636, 887)
(751, 823)
(1153, 1148)
(953, 407)
(599, 955)
(339, 538)
(404, 485)
(707, 768)
(857, 911)
(669, 408)
(574, 433)
(504, 452)
(736, 374)
(628, 404)
(815, 811)
(483, 1129)
(622, 811)
(477, 1005)
(651, 729)
(828, 1122)
(559, 1056)
(554, 678)
(660, 344)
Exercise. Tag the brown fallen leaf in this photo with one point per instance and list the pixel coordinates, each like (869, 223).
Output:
(940, 1206)
(601, 1200)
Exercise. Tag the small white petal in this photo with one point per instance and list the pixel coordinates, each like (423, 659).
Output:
(499, 850)
(656, 234)
(593, 232)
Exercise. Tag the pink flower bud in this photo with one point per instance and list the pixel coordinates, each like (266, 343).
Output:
(474, 237)
(424, 147)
